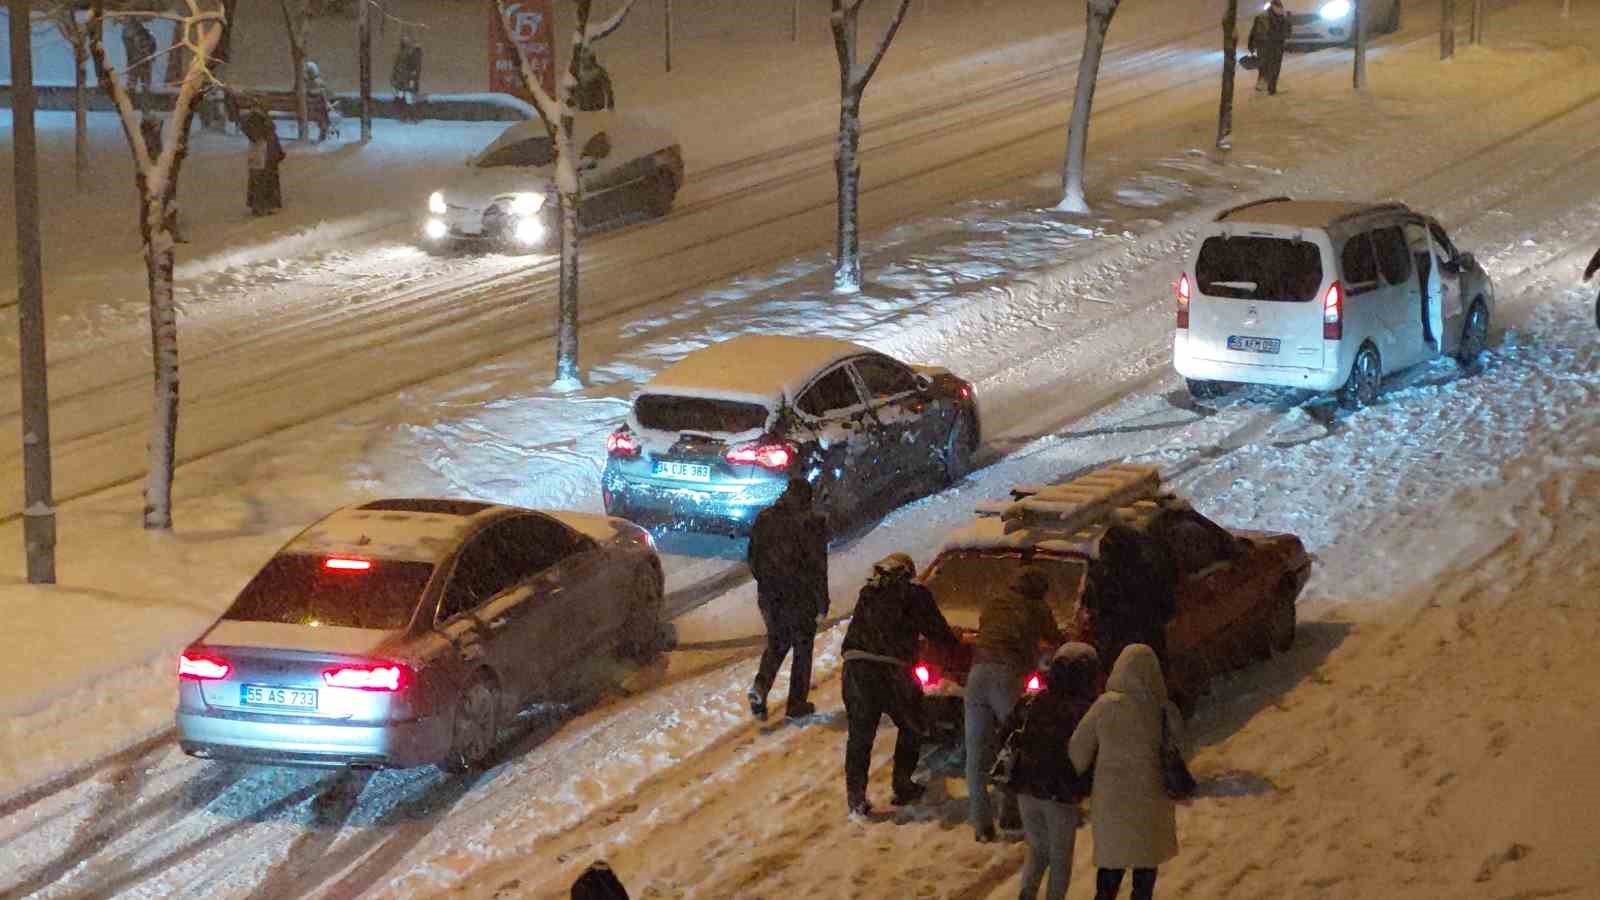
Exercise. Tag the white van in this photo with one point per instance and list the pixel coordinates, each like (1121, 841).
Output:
(1327, 296)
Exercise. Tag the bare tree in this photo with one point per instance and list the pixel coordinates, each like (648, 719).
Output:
(297, 21)
(1358, 77)
(198, 24)
(1447, 29)
(1094, 43)
(558, 113)
(1230, 53)
(853, 80)
(65, 17)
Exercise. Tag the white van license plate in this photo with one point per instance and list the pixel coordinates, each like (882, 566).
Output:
(684, 471)
(1254, 344)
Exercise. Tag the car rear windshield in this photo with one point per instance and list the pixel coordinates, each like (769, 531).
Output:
(1259, 268)
(665, 412)
(964, 581)
(302, 589)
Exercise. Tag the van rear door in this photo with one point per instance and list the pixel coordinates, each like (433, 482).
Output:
(1255, 301)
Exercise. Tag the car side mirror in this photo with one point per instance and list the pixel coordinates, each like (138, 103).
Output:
(924, 383)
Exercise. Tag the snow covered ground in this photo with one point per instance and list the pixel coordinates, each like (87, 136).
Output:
(1446, 631)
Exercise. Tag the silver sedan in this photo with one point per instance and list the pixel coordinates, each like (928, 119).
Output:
(406, 632)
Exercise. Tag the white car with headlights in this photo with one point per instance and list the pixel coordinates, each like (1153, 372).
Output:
(1333, 21)
(629, 170)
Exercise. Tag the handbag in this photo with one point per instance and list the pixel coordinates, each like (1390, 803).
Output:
(1008, 759)
(1250, 62)
(1175, 776)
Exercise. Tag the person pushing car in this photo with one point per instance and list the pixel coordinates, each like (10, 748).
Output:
(788, 555)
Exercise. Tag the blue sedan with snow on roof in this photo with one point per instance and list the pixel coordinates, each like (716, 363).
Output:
(712, 440)
(406, 632)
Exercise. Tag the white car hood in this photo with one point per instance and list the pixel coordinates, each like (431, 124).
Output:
(479, 187)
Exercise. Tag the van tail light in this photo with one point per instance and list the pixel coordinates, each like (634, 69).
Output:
(1184, 293)
(622, 443)
(1034, 684)
(927, 676)
(374, 677)
(202, 666)
(1333, 313)
(773, 455)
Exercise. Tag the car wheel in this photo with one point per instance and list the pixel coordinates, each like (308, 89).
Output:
(476, 726)
(959, 448)
(1201, 389)
(1366, 376)
(1474, 335)
(641, 634)
(1281, 621)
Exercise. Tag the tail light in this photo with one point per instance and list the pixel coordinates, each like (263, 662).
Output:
(966, 391)
(772, 455)
(202, 666)
(1183, 300)
(927, 676)
(1333, 313)
(622, 443)
(1035, 684)
(347, 565)
(376, 677)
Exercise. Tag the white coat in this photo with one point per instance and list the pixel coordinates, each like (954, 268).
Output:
(1135, 824)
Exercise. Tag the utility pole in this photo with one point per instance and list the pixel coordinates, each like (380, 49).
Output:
(667, 29)
(1447, 29)
(39, 513)
(1359, 77)
(794, 22)
(364, 39)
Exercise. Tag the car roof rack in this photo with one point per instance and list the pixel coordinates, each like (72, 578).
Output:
(1243, 206)
(1391, 206)
(1080, 503)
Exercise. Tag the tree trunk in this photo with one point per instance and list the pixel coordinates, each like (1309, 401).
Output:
(1358, 77)
(567, 328)
(1230, 52)
(297, 55)
(847, 169)
(1447, 29)
(364, 40)
(1100, 13)
(80, 113)
(1477, 21)
(159, 262)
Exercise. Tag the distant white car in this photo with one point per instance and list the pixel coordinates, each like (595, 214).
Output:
(629, 170)
(1333, 21)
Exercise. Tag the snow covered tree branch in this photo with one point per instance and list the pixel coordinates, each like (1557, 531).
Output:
(1094, 44)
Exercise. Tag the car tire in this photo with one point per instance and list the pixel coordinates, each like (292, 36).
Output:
(1201, 389)
(960, 446)
(1474, 335)
(641, 633)
(1366, 378)
(475, 727)
(1281, 620)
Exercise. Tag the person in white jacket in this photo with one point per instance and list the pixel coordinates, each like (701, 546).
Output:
(1135, 823)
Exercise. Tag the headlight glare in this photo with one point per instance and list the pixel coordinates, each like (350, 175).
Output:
(526, 204)
(1335, 9)
(436, 203)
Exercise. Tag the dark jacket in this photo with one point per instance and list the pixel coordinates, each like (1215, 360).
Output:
(1131, 594)
(407, 74)
(598, 882)
(1048, 719)
(1269, 34)
(1011, 630)
(788, 556)
(889, 617)
(1594, 266)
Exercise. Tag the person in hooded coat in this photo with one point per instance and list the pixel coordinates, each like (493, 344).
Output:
(1049, 789)
(880, 649)
(1131, 594)
(406, 77)
(1135, 822)
(319, 102)
(1588, 273)
(788, 555)
(598, 882)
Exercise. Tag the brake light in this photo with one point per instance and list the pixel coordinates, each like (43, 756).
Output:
(966, 391)
(1035, 684)
(347, 565)
(201, 667)
(766, 455)
(1183, 300)
(622, 443)
(927, 676)
(1333, 313)
(381, 677)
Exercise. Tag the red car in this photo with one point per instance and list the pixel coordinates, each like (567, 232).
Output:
(1236, 594)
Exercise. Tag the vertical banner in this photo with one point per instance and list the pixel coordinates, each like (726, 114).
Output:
(534, 31)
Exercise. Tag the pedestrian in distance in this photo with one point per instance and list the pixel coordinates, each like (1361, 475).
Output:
(406, 78)
(319, 101)
(788, 555)
(264, 192)
(1123, 737)
(139, 50)
(598, 882)
(1269, 38)
(1012, 628)
(880, 649)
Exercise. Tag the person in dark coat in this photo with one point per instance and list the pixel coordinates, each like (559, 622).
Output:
(1048, 788)
(407, 76)
(1011, 629)
(139, 46)
(1588, 273)
(594, 84)
(1131, 594)
(788, 556)
(1269, 37)
(598, 882)
(264, 193)
(880, 649)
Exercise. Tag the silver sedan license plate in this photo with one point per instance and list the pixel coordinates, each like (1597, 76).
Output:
(684, 471)
(1254, 344)
(277, 697)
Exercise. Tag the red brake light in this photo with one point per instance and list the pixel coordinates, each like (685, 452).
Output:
(381, 677)
(201, 667)
(1035, 684)
(966, 391)
(766, 455)
(347, 565)
(1183, 300)
(1333, 313)
(622, 443)
(926, 675)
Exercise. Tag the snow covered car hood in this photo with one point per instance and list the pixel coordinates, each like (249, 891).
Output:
(480, 187)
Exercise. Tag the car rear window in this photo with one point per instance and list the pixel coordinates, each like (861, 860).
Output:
(302, 589)
(964, 581)
(1259, 268)
(665, 412)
